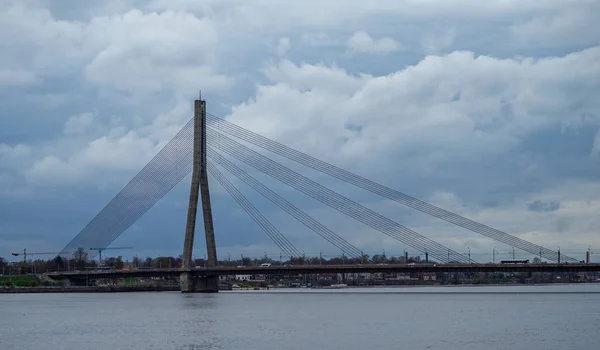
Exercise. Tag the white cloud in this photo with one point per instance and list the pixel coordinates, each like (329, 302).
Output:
(317, 39)
(283, 46)
(574, 223)
(438, 41)
(13, 160)
(152, 52)
(33, 40)
(15, 77)
(78, 124)
(443, 109)
(118, 153)
(573, 25)
(572, 226)
(316, 13)
(137, 64)
(12, 154)
(596, 144)
(103, 156)
(134, 52)
(362, 42)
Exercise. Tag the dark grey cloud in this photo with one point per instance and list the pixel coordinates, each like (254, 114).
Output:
(539, 206)
(522, 143)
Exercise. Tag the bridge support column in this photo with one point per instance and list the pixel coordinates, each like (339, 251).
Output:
(189, 284)
(192, 284)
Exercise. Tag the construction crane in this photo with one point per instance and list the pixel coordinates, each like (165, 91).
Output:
(100, 250)
(25, 254)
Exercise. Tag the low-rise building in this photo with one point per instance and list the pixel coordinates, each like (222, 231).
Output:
(243, 277)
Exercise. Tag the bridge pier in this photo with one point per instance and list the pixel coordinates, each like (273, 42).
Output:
(189, 282)
(200, 284)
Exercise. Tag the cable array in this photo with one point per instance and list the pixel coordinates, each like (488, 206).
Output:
(172, 163)
(276, 236)
(359, 181)
(298, 214)
(331, 198)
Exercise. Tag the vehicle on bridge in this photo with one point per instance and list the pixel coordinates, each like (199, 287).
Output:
(526, 261)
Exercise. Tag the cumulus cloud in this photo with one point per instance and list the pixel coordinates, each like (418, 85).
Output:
(569, 26)
(15, 77)
(120, 152)
(35, 41)
(99, 158)
(466, 125)
(317, 39)
(442, 109)
(78, 124)
(134, 51)
(13, 161)
(596, 144)
(362, 42)
(11, 154)
(283, 46)
(437, 41)
(153, 52)
(326, 15)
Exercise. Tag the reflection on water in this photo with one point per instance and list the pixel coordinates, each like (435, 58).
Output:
(516, 317)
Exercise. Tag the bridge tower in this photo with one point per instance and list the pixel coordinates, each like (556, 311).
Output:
(189, 283)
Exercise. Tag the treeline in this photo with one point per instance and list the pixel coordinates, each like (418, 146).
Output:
(81, 261)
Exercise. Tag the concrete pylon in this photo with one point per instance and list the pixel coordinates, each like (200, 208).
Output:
(190, 284)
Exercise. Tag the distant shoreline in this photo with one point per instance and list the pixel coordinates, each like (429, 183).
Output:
(132, 289)
(91, 289)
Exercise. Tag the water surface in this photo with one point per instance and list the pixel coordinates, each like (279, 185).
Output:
(449, 318)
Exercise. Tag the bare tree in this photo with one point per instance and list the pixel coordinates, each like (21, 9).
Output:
(81, 257)
(137, 262)
(3, 264)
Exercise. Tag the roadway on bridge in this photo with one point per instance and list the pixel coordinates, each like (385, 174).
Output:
(319, 269)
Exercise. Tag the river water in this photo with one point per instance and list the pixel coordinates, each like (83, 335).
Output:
(450, 318)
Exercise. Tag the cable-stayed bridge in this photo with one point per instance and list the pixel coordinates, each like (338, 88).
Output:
(209, 145)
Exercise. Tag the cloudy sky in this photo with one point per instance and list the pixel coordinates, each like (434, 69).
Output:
(487, 108)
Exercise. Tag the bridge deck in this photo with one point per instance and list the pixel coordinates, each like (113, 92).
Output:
(317, 269)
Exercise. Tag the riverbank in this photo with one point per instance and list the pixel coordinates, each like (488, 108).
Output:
(91, 289)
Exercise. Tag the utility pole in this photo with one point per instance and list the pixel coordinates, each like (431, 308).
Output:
(100, 250)
(587, 257)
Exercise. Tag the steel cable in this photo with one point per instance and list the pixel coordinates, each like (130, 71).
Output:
(331, 198)
(156, 179)
(348, 177)
(286, 206)
(270, 230)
